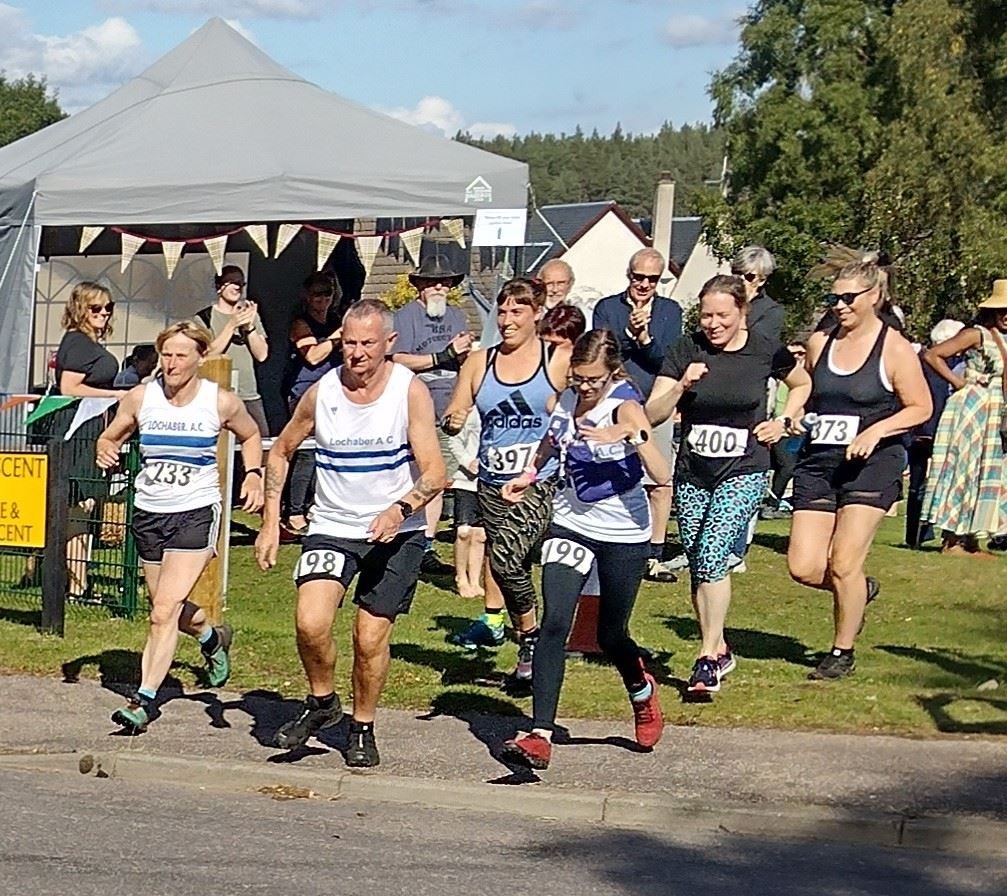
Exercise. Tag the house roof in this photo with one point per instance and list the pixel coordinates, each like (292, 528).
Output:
(685, 233)
(552, 229)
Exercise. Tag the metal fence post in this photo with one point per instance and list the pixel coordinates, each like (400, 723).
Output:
(54, 572)
(130, 559)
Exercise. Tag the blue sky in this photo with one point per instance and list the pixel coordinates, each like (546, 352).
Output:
(490, 66)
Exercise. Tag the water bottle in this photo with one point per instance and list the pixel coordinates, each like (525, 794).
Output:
(809, 423)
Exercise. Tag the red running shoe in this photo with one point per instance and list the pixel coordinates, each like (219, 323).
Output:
(532, 750)
(647, 716)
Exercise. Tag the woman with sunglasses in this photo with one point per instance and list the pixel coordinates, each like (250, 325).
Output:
(868, 390)
(717, 378)
(601, 516)
(84, 369)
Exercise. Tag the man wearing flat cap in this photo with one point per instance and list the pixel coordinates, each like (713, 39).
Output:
(433, 340)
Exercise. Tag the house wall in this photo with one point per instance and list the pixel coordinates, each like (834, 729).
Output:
(599, 257)
(701, 266)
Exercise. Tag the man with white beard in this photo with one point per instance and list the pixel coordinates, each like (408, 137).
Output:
(433, 341)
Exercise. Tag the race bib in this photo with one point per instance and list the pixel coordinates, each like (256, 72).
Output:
(569, 553)
(327, 563)
(511, 460)
(708, 440)
(835, 429)
(163, 472)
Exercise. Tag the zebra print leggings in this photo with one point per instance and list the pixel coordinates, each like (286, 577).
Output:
(512, 532)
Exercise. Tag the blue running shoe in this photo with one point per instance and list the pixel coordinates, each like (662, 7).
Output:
(478, 634)
(705, 678)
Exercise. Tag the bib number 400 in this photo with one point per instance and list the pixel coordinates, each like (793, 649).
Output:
(707, 440)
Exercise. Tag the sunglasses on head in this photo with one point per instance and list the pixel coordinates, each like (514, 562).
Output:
(97, 309)
(834, 298)
(637, 277)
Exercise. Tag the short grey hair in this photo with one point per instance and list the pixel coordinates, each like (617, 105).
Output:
(556, 263)
(753, 260)
(372, 308)
(944, 330)
(646, 252)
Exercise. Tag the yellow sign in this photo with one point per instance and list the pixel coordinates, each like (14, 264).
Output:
(23, 480)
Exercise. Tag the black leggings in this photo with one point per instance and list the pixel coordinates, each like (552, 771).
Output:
(620, 569)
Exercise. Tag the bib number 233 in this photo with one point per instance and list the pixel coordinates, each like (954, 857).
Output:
(569, 553)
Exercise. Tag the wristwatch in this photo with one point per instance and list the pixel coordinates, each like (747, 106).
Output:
(788, 423)
(406, 508)
(640, 438)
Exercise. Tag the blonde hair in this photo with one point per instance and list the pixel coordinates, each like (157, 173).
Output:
(197, 333)
(870, 267)
(75, 314)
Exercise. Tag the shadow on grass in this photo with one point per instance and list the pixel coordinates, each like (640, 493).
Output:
(970, 669)
(778, 544)
(455, 667)
(937, 707)
(32, 618)
(751, 643)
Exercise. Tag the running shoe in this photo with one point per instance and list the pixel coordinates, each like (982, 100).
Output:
(705, 678)
(518, 683)
(312, 719)
(736, 564)
(531, 750)
(647, 717)
(363, 749)
(218, 663)
(478, 634)
(835, 665)
(134, 716)
(726, 663)
(658, 571)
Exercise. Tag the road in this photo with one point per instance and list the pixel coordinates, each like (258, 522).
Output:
(87, 836)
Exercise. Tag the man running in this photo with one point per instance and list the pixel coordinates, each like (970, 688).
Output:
(178, 502)
(378, 463)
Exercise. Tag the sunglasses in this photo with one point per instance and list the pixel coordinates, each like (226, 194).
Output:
(232, 283)
(834, 298)
(435, 281)
(750, 276)
(639, 278)
(97, 309)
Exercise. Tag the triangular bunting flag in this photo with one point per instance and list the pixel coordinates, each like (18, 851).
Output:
(49, 405)
(326, 243)
(216, 246)
(130, 246)
(411, 240)
(283, 238)
(87, 236)
(367, 249)
(456, 230)
(260, 236)
(88, 409)
(172, 252)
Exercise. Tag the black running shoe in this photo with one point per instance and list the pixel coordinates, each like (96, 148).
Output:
(312, 719)
(363, 750)
(835, 665)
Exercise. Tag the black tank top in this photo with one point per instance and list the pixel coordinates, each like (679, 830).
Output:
(861, 393)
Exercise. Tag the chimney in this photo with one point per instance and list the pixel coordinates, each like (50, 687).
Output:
(664, 211)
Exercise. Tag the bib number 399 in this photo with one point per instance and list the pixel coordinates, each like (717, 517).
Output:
(320, 563)
(569, 553)
(708, 440)
(835, 429)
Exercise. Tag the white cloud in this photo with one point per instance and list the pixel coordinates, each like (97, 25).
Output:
(700, 31)
(248, 9)
(82, 66)
(545, 14)
(439, 116)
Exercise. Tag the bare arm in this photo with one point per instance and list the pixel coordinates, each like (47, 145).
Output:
(450, 358)
(235, 418)
(464, 395)
(936, 356)
(668, 392)
(654, 462)
(312, 350)
(799, 383)
(559, 367)
(123, 425)
(71, 383)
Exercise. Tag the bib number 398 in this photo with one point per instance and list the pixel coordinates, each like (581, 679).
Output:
(835, 429)
(320, 563)
(569, 553)
(708, 440)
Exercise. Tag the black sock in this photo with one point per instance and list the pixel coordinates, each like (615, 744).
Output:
(529, 636)
(211, 643)
(656, 550)
(361, 727)
(841, 651)
(325, 702)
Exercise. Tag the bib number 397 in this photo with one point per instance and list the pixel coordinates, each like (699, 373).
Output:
(835, 429)
(708, 440)
(569, 553)
(510, 461)
(320, 563)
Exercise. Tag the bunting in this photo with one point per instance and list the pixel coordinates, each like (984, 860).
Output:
(216, 247)
(456, 230)
(283, 238)
(326, 243)
(367, 249)
(411, 241)
(130, 246)
(87, 236)
(172, 252)
(260, 236)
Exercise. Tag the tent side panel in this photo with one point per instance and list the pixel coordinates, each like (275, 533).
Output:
(19, 241)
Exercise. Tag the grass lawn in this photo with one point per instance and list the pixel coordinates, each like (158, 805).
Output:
(937, 631)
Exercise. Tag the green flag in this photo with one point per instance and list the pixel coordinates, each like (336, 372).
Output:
(49, 405)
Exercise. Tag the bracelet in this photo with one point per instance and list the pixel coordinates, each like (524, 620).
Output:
(256, 470)
(531, 472)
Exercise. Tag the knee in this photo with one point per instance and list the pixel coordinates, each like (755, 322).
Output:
(806, 570)
(478, 535)
(611, 639)
(463, 537)
(368, 645)
(311, 629)
(165, 612)
(843, 569)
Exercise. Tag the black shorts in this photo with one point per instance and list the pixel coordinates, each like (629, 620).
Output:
(189, 531)
(388, 571)
(466, 508)
(826, 481)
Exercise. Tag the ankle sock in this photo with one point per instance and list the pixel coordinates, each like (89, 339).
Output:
(428, 544)
(656, 551)
(494, 618)
(146, 695)
(325, 702)
(638, 695)
(208, 641)
(841, 651)
(361, 727)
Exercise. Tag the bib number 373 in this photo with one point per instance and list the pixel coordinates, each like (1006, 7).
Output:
(835, 429)
(569, 553)
(708, 440)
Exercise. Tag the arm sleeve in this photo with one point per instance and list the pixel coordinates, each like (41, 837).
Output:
(680, 355)
(77, 353)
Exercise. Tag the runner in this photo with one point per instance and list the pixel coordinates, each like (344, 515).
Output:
(602, 516)
(178, 502)
(511, 384)
(869, 389)
(378, 463)
(717, 377)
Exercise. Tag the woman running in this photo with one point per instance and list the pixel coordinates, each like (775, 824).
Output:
(718, 379)
(868, 390)
(601, 516)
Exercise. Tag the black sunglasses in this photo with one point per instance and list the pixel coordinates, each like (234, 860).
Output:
(834, 298)
(639, 278)
(97, 309)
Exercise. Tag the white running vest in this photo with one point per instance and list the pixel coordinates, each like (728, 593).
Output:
(178, 448)
(363, 460)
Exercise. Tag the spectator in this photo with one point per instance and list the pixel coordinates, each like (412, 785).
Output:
(557, 276)
(470, 534)
(562, 325)
(783, 454)
(137, 367)
(755, 265)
